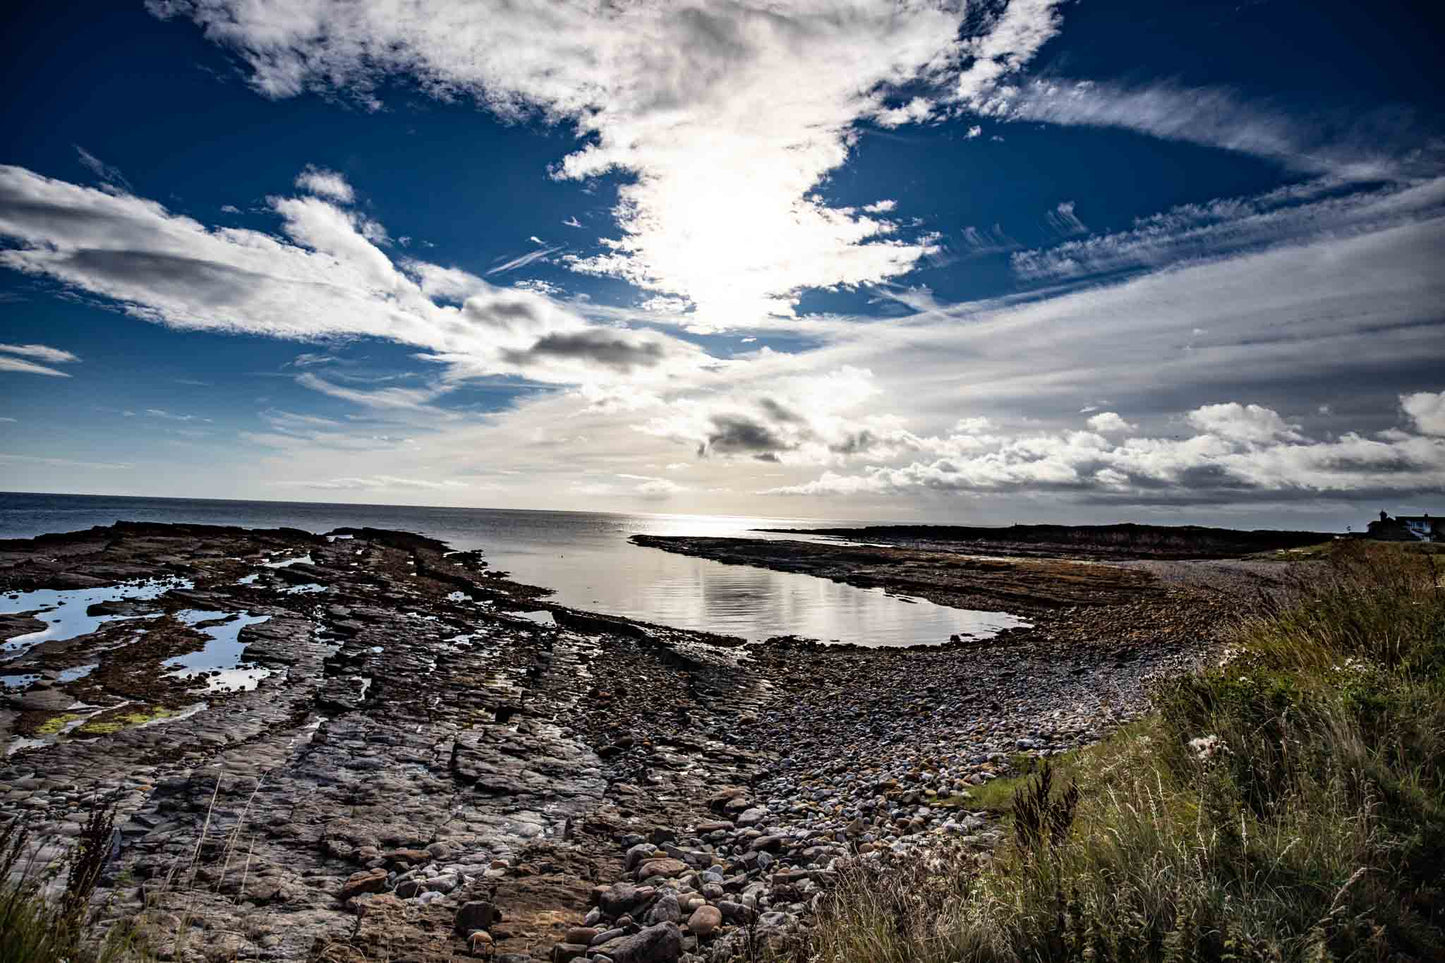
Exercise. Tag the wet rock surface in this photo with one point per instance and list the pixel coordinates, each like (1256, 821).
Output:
(426, 770)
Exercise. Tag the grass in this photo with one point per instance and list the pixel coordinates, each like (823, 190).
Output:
(36, 927)
(1285, 805)
(996, 796)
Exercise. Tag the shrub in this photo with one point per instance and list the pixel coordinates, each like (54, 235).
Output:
(1288, 804)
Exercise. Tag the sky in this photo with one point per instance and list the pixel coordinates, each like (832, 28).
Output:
(980, 262)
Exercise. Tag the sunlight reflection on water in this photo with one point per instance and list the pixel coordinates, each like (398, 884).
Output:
(584, 556)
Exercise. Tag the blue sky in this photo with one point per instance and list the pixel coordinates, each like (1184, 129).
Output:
(1009, 261)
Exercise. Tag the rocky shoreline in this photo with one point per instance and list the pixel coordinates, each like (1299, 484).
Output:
(409, 756)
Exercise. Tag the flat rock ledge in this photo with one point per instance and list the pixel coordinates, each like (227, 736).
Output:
(424, 770)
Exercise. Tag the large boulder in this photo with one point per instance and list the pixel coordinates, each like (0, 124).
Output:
(623, 898)
(656, 944)
(476, 915)
(704, 920)
(667, 866)
(366, 881)
(665, 910)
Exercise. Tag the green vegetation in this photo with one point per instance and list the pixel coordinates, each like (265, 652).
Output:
(55, 723)
(1287, 804)
(108, 723)
(35, 928)
(996, 797)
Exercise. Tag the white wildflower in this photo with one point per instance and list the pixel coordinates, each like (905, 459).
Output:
(1207, 747)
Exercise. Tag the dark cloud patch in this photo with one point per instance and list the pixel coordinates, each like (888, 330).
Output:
(741, 435)
(855, 443)
(26, 216)
(610, 349)
(195, 279)
(780, 412)
(1202, 478)
(489, 311)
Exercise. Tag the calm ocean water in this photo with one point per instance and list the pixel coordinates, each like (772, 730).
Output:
(584, 556)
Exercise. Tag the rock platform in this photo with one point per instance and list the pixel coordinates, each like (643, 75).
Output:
(423, 760)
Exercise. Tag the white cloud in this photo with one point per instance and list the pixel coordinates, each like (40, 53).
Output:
(98, 167)
(652, 488)
(19, 459)
(171, 416)
(1019, 31)
(379, 483)
(1108, 422)
(324, 279)
(1426, 410)
(977, 243)
(915, 111)
(523, 260)
(1240, 451)
(1063, 219)
(372, 398)
(325, 183)
(1244, 423)
(729, 115)
(39, 352)
(1231, 225)
(22, 366)
(1212, 117)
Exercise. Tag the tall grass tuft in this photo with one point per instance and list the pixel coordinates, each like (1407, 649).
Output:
(1285, 805)
(38, 928)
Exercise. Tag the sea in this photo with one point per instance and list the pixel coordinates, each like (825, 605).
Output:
(584, 557)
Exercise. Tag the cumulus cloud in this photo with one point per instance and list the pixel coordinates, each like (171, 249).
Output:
(775, 416)
(1245, 423)
(1238, 451)
(325, 183)
(1427, 410)
(1107, 422)
(728, 115)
